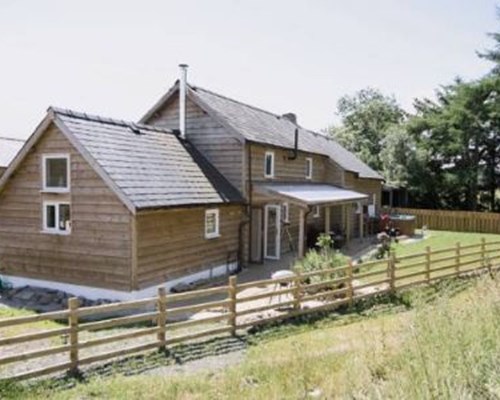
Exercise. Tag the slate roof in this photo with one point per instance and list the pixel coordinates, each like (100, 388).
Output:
(151, 166)
(9, 147)
(261, 126)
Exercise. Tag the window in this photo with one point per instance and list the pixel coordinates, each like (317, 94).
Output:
(269, 164)
(56, 217)
(286, 213)
(309, 168)
(56, 172)
(211, 224)
(316, 212)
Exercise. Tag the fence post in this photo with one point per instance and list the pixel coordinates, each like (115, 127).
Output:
(428, 264)
(350, 289)
(483, 252)
(161, 306)
(457, 257)
(232, 303)
(392, 271)
(297, 282)
(73, 304)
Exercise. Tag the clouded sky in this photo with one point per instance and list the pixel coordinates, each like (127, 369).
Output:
(116, 58)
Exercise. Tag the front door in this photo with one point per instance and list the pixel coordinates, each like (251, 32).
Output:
(272, 233)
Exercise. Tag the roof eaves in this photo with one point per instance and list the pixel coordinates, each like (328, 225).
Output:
(159, 104)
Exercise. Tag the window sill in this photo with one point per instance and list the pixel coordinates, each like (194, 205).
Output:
(54, 191)
(214, 236)
(59, 233)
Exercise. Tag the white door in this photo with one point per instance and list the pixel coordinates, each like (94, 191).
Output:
(272, 233)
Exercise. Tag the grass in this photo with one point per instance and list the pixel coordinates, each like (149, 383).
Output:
(442, 240)
(446, 345)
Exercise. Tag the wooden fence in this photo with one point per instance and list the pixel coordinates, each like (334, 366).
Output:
(459, 221)
(239, 306)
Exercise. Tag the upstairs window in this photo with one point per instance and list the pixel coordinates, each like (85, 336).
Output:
(56, 173)
(56, 217)
(269, 164)
(309, 168)
(211, 224)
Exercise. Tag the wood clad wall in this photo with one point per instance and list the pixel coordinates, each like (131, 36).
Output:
(364, 185)
(2, 170)
(334, 173)
(171, 243)
(96, 253)
(209, 137)
(285, 170)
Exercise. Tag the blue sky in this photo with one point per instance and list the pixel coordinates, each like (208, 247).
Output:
(116, 58)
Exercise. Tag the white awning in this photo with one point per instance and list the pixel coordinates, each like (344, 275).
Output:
(311, 194)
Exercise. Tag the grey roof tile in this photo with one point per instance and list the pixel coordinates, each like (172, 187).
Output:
(153, 167)
(261, 126)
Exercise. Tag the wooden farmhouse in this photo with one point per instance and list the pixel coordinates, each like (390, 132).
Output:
(201, 186)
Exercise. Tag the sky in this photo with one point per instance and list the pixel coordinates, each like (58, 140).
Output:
(117, 58)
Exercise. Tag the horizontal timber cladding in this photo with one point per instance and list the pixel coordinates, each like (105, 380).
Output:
(365, 185)
(286, 170)
(96, 253)
(219, 146)
(171, 243)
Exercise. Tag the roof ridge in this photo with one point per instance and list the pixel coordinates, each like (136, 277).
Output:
(238, 102)
(107, 120)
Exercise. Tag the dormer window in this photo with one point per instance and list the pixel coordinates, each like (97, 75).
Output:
(309, 168)
(56, 173)
(269, 164)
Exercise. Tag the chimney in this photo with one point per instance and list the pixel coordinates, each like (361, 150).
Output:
(182, 100)
(290, 117)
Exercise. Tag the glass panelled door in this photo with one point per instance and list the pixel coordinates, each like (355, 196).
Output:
(272, 233)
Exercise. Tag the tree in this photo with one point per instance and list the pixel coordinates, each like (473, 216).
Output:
(459, 134)
(493, 54)
(366, 118)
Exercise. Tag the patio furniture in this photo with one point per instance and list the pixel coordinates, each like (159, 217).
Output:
(280, 274)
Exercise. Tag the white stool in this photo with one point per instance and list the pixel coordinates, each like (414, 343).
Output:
(283, 273)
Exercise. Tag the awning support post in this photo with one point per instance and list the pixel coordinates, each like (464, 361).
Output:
(327, 219)
(361, 223)
(347, 216)
(302, 225)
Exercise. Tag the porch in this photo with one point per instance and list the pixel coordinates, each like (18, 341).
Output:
(288, 217)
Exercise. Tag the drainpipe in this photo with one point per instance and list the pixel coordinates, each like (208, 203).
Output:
(295, 145)
(182, 100)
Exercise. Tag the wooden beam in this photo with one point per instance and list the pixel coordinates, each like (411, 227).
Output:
(361, 223)
(327, 219)
(348, 223)
(302, 225)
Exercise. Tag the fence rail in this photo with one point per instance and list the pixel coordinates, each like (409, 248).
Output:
(459, 221)
(238, 306)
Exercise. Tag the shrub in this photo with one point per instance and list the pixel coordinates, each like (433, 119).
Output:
(324, 258)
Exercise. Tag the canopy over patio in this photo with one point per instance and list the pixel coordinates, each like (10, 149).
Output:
(311, 194)
(308, 195)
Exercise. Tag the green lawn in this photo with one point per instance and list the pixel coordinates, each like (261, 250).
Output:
(442, 240)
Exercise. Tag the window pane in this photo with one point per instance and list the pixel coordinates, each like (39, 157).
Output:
(50, 216)
(269, 164)
(64, 217)
(56, 169)
(210, 223)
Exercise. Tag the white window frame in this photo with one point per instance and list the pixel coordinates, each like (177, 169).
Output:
(286, 212)
(56, 230)
(269, 154)
(216, 233)
(309, 167)
(51, 189)
(316, 212)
